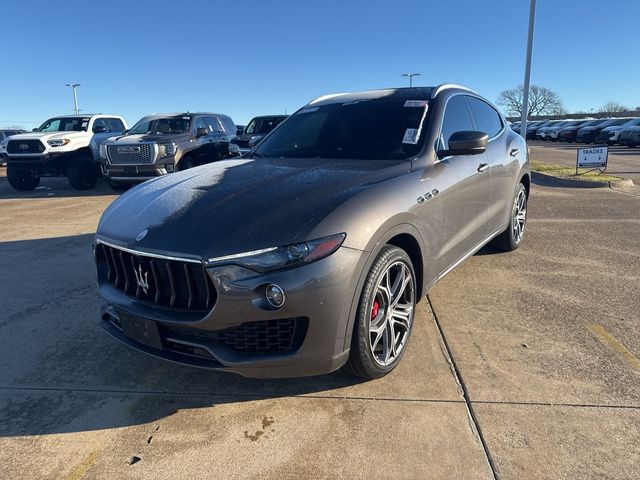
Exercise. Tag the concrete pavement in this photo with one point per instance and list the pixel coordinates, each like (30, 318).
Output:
(550, 393)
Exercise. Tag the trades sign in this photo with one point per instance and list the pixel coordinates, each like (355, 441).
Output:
(594, 157)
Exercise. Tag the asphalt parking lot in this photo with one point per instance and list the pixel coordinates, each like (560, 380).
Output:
(522, 365)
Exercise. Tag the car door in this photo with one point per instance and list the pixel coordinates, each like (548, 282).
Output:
(503, 156)
(466, 199)
(204, 144)
(219, 142)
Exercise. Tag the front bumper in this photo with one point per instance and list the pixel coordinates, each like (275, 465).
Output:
(135, 173)
(319, 297)
(629, 140)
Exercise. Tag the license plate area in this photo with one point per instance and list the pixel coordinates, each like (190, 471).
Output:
(141, 330)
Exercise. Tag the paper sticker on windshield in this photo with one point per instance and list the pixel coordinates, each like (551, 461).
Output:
(309, 110)
(84, 124)
(411, 136)
(415, 103)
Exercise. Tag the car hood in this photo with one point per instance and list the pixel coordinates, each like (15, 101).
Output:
(48, 135)
(237, 206)
(147, 138)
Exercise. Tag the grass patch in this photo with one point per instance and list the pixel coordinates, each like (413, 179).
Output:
(570, 172)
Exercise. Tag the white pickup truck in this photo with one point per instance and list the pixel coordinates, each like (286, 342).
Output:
(67, 146)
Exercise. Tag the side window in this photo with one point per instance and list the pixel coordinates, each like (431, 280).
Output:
(116, 125)
(100, 122)
(457, 118)
(213, 125)
(487, 119)
(228, 125)
(199, 123)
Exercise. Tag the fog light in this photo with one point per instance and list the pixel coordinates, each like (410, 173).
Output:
(275, 296)
(169, 167)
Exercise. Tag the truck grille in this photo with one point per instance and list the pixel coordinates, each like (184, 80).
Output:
(25, 146)
(134, 154)
(166, 283)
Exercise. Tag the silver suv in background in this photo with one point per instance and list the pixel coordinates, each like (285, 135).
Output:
(163, 143)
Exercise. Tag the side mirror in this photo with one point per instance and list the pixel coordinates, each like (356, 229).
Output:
(465, 143)
(34, 129)
(99, 129)
(201, 132)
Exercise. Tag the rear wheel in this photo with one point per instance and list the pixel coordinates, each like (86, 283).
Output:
(385, 315)
(82, 172)
(511, 238)
(22, 178)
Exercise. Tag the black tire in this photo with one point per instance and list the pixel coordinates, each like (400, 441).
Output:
(508, 240)
(23, 179)
(362, 362)
(82, 172)
(118, 186)
(187, 162)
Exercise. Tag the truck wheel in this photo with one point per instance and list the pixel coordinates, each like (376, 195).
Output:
(187, 163)
(21, 178)
(118, 186)
(82, 172)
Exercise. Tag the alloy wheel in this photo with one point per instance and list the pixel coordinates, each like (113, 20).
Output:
(519, 215)
(392, 310)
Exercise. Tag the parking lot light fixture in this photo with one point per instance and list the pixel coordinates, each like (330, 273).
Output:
(410, 75)
(75, 96)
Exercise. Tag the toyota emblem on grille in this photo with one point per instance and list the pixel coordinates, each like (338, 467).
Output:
(142, 234)
(141, 279)
(23, 146)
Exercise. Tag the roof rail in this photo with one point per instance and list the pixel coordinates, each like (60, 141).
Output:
(446, 86)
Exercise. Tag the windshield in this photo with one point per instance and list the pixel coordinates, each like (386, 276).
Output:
(169, 125)
(65, 124)
(388, 128)
(263, 125)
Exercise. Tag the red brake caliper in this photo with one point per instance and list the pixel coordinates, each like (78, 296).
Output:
(375, 309)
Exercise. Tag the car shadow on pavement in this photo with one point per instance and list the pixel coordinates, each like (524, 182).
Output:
(52, 187)
(61, 372)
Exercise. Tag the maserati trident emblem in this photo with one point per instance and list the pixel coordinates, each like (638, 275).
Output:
(142, 234)
(141, 279)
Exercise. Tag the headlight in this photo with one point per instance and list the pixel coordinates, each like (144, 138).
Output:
(234, 149)
(103, 151)
(277, 258)
(58, 142)
(168, 149)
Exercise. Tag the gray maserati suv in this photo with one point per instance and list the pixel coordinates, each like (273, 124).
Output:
(311, 252)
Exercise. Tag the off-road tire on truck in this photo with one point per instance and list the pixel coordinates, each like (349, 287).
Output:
(21, 178)
(118, 186)
(82, 172)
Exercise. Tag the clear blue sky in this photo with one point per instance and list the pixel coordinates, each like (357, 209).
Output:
(259, 57)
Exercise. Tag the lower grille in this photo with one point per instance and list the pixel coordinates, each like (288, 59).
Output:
(265, 336)
(135, 154)
(25, 146)
(167, 283)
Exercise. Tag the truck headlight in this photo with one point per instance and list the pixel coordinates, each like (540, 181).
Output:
(168, 149)
(234, 149)
(103, 151)
(277, 258)
(58, 142)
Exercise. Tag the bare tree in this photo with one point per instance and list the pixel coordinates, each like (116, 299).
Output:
(611, 107)
(542, 101)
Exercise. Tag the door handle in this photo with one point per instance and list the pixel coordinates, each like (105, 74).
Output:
(482, 167)
(514, 152)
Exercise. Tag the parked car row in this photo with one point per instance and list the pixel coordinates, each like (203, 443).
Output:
(610, 131)
(83, 147)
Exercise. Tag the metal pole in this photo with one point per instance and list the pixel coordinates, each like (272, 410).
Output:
(410, 75)
(75, 96)
(527, 71)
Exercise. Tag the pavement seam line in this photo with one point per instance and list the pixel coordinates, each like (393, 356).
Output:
(614, 344)
(467, 400)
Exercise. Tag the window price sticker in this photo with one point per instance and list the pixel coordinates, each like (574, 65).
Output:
(415, 103)
(411, 136)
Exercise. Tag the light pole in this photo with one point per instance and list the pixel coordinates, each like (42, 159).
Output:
(75, 95)
(527, 71)
(410, 75)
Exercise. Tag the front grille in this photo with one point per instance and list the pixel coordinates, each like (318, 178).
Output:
(264, 336)
(167, 283)
(25, 146)
(135, 154)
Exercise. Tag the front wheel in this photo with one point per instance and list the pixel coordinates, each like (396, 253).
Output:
(21, 178)
(187, 162)
(82, 172)
(511, 238)
(385, 315)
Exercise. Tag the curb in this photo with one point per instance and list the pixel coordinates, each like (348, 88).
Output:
(551, 181)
